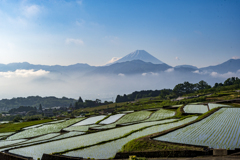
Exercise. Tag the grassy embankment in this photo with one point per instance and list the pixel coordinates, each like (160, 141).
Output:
(13, 127)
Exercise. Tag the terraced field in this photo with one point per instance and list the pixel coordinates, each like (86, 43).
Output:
(128, 118)
(80, 128)
(42, 138)
(90, 120)
(85, 140)
(112, 119)
(161, 114)
(214, 105)
(109, 149)
(191, 108)
(220, 130)
(45, 129)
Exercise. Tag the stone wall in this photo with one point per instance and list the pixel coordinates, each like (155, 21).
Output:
(59, 157)
(153, 154)
(10, 156)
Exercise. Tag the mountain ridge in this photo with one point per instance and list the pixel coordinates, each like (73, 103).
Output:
(231, 65)
(135, 66)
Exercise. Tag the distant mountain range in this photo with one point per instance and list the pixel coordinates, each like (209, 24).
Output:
(131, 67)
(232, 65)
(79, 67)
(137, 62)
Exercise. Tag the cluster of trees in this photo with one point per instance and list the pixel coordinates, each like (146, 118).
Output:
(89, 103)
(186, 87)
(181, 89)
(142, 94)
(35, 101)
(228, 82)
(22, 109)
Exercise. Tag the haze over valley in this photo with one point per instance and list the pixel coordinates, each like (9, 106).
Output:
(138, 70)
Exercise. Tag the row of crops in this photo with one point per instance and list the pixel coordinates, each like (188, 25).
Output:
(48, 137)
(200, 109)
(220, 130)
(45, 129)
(108, 150)
(94, 138)
(72, 134)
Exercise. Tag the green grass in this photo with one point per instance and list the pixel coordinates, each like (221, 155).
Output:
(99, 108)
(142, 145)
(13, 127)
(207, 113)
(179, 112)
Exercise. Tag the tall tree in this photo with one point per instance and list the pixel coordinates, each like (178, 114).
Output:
(202, 85)
(40, 107)
(80, 100)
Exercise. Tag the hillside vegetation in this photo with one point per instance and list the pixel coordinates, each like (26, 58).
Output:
(7, 104)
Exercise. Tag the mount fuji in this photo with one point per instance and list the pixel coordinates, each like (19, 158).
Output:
(139, 55)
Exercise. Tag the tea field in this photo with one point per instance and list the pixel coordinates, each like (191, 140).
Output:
(220, 130)
(103, 136)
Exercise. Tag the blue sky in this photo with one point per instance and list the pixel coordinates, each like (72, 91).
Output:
(195, 32)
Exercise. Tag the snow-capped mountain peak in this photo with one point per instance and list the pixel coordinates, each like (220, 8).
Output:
(140, 55)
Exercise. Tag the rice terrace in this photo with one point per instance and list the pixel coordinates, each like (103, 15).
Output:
(203, 123)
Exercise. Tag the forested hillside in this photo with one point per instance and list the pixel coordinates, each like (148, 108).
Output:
(181, 89)
(35, 101)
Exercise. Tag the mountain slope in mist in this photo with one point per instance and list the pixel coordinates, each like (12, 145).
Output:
(131, 67)
(232, 65)
(137, 62)
(79, 67)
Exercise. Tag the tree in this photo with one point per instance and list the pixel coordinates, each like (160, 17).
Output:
(17, 118)
(80, 100)
(202, 85)
(216, 85)
(40, 107)
(118, 99)
(231, 81)
(98, 101)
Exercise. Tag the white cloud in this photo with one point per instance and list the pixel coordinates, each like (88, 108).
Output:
(114, 59)
(23, 73)
(235, 57)
(74, 41)
(80, 22)
(112, 39)
(202, 73)
(150, 73)
(169, 70)
(121, 74)
(197, 71)
(154, 74)
(226, 75)
(31, 10)
(214, 74)
(79, 2)
(17, 21)
(177, 58)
